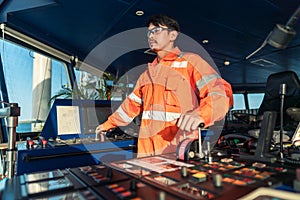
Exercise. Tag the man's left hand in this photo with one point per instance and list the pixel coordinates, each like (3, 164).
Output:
(190, 121)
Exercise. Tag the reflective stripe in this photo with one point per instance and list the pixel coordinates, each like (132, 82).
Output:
(160, 115)
(123, 115)
(135, 98)
(217, 93)
(205, 79)
(177, 64)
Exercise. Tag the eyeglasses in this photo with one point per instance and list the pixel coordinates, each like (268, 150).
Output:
(156, 31)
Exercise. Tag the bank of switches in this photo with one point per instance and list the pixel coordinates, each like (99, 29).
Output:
(158, 177)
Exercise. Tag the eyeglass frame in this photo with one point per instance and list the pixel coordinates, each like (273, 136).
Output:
(159, 29)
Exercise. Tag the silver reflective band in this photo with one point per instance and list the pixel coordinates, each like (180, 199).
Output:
(123, 115)
(160, 115)
(177, 64)
(217, 93)
(205, 79)
(135, 98)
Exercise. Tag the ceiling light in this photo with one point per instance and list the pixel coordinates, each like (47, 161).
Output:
(263, 63)
(139, 13)
(226, 62)
(205, 41)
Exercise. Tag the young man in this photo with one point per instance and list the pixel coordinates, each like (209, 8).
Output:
(176, 93)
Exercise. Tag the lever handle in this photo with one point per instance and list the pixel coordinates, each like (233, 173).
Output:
(201, 125)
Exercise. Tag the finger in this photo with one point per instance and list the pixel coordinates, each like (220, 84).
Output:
(179, 121)
(184, 123)
(99, 130)
(188, 126)
(195, 125)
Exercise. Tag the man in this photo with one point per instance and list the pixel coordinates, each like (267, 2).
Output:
(176, 93)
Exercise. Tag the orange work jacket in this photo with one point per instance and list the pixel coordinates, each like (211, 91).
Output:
(179, 83)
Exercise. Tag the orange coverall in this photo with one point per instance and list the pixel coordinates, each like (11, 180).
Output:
(180, 82)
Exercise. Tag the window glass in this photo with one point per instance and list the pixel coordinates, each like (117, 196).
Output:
(255, 100)
(93, 87)
(31, 80)
(239, 102)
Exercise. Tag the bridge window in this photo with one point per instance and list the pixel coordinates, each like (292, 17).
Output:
(255, 100)
(31, 80)
(239, 102)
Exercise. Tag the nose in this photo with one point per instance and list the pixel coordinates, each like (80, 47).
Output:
(150, 34)
(150, 39)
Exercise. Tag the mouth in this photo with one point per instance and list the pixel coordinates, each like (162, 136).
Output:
(152, 46)
(151, 42)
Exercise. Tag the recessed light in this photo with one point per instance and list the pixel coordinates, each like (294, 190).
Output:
(139, 13)
(226, 62)
(205, 41)
(263, 63)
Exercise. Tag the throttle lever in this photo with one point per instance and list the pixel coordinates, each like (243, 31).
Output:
(200, 153)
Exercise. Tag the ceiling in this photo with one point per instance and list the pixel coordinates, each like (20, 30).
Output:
(108, 34)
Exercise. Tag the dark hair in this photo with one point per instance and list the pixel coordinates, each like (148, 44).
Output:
(164, 20)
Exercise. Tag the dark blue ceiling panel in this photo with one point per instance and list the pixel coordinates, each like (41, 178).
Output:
(234, 29)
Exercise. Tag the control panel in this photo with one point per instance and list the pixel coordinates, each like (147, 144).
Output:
(159, 177)
(47, 154)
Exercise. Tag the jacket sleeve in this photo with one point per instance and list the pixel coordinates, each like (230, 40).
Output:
(215, 94)
(127, 111)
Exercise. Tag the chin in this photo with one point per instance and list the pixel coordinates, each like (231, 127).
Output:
(153, 49)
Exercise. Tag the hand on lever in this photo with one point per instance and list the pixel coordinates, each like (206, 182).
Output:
(190, 121)
(101, 132)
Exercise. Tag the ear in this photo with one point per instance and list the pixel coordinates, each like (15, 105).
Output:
(173, 35)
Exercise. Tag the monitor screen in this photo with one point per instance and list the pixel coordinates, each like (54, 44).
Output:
(70, 118)
(93, 116)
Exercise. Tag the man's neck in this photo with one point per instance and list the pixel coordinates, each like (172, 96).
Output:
(161, 54)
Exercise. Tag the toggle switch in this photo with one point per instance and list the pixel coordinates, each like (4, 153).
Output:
(133, 185)
(217, 180)
(43, 142)
(29, 143)
(109, 173)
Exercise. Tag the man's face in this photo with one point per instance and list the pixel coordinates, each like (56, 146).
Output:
(159, 38)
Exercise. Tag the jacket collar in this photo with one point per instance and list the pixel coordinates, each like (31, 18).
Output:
(172, 55)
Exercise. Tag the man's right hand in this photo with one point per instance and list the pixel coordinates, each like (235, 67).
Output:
(100, 133)
(100, 130)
